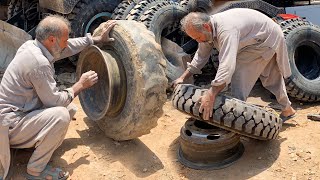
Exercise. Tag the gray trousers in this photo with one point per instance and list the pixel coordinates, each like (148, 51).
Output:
(43, 129)
(249, 68)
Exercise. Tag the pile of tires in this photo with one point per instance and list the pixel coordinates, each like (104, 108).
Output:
(303, 43)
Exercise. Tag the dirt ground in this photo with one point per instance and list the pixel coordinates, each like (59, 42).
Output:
(87, 154)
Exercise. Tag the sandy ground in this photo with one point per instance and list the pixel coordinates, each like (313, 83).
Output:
(87, 154)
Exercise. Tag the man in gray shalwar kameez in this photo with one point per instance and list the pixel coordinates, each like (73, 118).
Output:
(251, 46)
(33, 112)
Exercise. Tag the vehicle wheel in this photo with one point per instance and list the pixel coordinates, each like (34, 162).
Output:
(88, 15)
(303, 43)
(197, 5)
(128, 99)
(123, 9)
(229, 113)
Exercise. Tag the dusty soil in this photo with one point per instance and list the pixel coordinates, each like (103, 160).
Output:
(87, 154)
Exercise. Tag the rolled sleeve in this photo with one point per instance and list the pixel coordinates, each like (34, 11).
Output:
(76, 45)
(200, 58)
(46, 89)
(228, 43)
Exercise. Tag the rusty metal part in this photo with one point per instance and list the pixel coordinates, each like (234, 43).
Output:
(204, 146)
(107, 97)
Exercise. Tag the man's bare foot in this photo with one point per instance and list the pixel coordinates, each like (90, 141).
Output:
(288, 112)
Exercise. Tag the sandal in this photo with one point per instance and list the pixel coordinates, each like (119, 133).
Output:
(48, 172)
(286, 118)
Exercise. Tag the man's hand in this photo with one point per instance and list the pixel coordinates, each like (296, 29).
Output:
(88, 79)
(105, 35)
(206, 104)
(176, 82)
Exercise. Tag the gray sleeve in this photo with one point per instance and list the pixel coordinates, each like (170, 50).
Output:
(76, 45)
(228, 42)
(200, 58)
(46, 88)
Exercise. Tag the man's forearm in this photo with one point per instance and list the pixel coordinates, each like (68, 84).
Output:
(186, 74)
(77, 88)
(215, 90)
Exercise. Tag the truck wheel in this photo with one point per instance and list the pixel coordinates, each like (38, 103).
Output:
(128, 99)
(303, 43)
(123, 9)
(229, 113)
(88, 15)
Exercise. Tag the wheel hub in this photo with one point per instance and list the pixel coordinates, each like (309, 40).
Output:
(203, 146)
(107, 97)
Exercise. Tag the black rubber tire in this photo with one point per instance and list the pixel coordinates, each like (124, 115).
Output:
(123, 9)
(163, 16)
(144, 68)
(302, 37)
(140, 8)
(83, 12)
(197, 5)
(14, 7)
(229, 113)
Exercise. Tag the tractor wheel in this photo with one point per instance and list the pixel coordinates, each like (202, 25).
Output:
(229, 113)
(128, 99)
(303, 43)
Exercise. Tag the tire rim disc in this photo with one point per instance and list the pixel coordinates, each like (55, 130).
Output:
(206, 147)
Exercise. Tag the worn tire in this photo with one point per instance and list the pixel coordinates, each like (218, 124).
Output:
(229, 113)
(303, 43)
(142, 64)
(123, 9)
(140, 8)
(197, 5)
(84, 19)
(14, 7)
(163, 17)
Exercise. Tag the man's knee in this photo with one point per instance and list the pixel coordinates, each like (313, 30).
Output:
(62, 115)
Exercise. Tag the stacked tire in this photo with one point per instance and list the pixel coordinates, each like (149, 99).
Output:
(303, 43)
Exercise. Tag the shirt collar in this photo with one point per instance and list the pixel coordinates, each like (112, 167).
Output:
(45, 51)
(214, 27)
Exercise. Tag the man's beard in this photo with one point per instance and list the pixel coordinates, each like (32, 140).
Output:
(57, 51)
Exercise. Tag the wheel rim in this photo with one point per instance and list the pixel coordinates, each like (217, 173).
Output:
(107, 97)
(306, 58)
(204, 146)
(96, 20)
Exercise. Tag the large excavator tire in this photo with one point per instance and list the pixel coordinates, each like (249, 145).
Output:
(229, 113)
(303, 43)
(128, 98)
